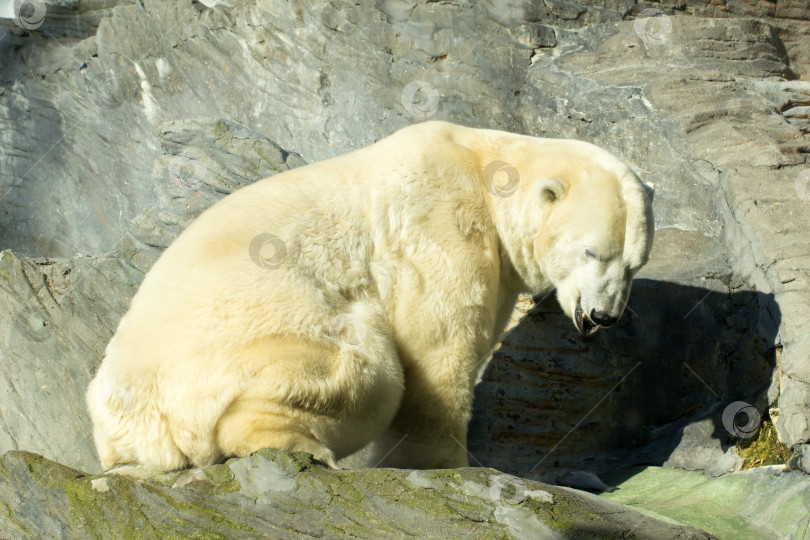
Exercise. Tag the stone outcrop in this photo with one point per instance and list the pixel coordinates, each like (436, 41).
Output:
(274, 494)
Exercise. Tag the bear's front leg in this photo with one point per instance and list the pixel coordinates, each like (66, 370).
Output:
(430, 428)
(443, 316)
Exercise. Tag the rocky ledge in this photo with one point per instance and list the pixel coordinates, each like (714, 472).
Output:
(282, 495)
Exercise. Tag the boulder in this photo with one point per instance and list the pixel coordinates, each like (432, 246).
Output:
(281, 495)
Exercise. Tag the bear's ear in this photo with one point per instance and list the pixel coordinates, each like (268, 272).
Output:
(650, 190)
(548, 190)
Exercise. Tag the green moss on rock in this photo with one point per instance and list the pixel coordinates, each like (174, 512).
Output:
(288, 495)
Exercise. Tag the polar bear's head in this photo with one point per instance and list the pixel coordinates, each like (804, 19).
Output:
(580, 222)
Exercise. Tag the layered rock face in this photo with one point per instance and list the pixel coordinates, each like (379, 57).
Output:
(121, 122)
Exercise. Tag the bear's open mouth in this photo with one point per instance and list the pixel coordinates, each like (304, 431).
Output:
(585, 326)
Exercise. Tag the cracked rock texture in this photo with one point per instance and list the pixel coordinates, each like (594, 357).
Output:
(279, 495)
(122, 121)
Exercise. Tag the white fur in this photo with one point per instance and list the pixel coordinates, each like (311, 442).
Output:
(398, 269)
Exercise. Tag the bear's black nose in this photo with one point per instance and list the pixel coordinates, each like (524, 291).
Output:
(602, 319)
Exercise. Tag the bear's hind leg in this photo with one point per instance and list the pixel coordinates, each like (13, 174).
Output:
(242, 431)
(329, 397)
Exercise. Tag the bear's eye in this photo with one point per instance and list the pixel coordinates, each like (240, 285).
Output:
(591, 253)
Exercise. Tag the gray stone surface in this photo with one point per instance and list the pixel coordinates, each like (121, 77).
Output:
(280, 495)
(55, 320)
(766, 502)
(121, 121)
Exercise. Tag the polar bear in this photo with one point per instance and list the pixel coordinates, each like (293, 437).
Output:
(339, 303)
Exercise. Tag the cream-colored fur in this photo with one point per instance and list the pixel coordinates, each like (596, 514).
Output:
(394, 273)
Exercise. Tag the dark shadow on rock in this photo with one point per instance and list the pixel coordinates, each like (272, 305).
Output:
(651, 390)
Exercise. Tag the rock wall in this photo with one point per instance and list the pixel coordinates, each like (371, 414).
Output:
(122, 121)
